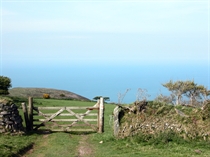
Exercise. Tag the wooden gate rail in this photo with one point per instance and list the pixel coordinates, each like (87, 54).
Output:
(49, 117)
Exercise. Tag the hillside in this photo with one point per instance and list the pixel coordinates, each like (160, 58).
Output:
(38, 93)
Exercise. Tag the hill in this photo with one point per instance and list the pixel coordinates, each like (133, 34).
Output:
(38, 93)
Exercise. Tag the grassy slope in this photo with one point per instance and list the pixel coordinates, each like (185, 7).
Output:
(65, 144)
(38, 93)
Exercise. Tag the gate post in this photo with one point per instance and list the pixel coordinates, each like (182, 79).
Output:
(101, 115)
(25, 112)
(30, 112)
(116, 121)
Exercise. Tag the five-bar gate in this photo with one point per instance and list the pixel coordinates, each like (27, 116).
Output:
(65, 118)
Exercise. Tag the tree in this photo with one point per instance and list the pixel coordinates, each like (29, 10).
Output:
(177, 88)
(142, 95)
(166, 99)
(193, 91)
(121, 97)
(98, 97)
(205, 93)
(5, 84)
(189, 89)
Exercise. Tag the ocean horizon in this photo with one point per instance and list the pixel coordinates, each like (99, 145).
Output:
(107, 80)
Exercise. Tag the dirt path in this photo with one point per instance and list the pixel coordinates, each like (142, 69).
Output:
(61, 144)
(84, 148)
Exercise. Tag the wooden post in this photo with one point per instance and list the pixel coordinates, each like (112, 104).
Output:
(98, 102)
(30, 112)
(25, 112)
(101, 115)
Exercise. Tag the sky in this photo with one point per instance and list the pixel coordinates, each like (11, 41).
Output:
(105, 47)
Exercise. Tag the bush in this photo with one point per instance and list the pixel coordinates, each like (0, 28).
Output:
(5, 84)
(46, 96)
(5, 100)
(62, 95)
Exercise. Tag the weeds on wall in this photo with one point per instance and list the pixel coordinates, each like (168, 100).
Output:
(150, 121)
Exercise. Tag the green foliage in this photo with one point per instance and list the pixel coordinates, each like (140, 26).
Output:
(9, 100)
(62, 95)
(187, 88)
(6, 100)
(158, 108)
(17, 100)
(5, 84)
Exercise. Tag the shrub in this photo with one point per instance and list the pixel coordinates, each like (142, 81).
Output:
(62, 95)
(5, 100)
(5, 84)
(46, 96)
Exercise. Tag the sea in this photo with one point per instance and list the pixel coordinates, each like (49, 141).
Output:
(120, 83)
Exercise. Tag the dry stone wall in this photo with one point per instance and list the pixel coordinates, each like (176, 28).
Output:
(10, 120)
(156, 118)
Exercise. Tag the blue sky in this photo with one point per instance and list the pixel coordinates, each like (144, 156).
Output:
(80, 38)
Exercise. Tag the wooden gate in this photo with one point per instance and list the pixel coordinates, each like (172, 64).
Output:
(65, 118)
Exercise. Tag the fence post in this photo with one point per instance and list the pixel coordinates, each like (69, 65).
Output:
(25, 112)
(30, 112)
(98, 105)
(101, 115)
(116, 121)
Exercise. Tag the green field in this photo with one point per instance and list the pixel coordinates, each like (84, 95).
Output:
(97, 145)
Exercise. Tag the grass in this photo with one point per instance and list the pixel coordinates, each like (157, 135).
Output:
(66, 144)
(12, 145)
(61, 144)
(39, 92)
(134, 147)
